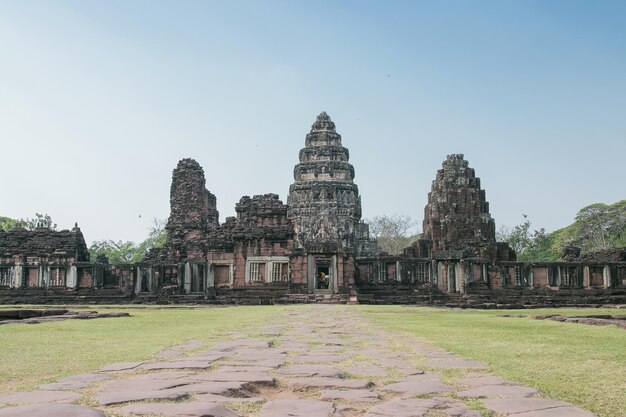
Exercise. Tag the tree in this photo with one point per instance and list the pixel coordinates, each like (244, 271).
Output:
(129, 252)
(529, 245)
(392, 232)
(40, 220)
(7, 223)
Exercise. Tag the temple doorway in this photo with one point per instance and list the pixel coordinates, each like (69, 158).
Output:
(323, 276)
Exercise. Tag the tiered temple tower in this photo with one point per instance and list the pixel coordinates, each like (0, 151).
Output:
(193, 212)
(456, 218)
(324, 202)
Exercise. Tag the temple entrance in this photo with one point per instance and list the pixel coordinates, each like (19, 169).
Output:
(323, 275)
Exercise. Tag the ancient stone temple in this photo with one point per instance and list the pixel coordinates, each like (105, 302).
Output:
(314, 248)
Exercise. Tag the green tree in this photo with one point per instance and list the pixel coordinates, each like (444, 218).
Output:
(7, 223)
(128, 252)
(40, 220)
(392, 232)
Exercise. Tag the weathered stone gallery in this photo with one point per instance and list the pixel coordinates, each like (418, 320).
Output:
(314, 248)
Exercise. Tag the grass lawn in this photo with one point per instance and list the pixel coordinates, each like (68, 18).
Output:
(581, 364)
(31, 354)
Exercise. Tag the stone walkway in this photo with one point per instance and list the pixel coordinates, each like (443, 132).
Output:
(314, 361)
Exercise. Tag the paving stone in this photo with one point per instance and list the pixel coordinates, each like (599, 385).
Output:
(63, 386)
(319, 358)
(124, 366)
(117, 397)
(493, 391)
(248, 377)
(143, 383)
(249, 368)
(50, 410)
(329, 382)
(368, 371)
(190, 409)
(38, 397)
(418, 387)
(521, 405)
(211, 387)
(84, 378)
(311, 370)
(213, 398)
(361, 395)
(394, 363)
(188, 364)
(403, 408)
(271, 363)
(297, 408)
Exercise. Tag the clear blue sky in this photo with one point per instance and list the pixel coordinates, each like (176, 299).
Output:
(99, 100)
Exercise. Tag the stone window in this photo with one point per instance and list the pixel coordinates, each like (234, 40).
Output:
(569, 276)
(422, 272)
(57, 277)
(5, 276)
(280, 272)
(170, 275)
(256, 272)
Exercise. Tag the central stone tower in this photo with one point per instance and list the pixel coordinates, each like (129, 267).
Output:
(325, 210)
(324, 202)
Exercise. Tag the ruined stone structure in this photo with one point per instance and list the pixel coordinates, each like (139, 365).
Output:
(315, 248)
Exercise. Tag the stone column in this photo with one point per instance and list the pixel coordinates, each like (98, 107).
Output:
(586, 277)
(187, 279)
(311, 273)
(398, 272)
(17, 276)
(45, 276)
(334, 270)
(71, 277)
(606, 275)
(210, 275)
(138, 280)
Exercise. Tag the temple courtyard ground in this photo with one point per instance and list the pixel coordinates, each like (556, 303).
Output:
(313, 360)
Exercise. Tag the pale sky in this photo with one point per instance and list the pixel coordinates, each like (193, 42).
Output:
(100, 99)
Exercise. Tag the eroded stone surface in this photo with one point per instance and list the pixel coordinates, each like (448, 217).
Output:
(50, 410)
(191, 409)
(494, 391)
(38, 397)
(297, 408)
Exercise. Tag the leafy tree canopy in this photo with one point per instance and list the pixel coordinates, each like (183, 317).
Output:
(40, 220)
(596, 227)
(129, 252)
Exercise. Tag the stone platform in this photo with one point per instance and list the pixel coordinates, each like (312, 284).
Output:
(303, 363)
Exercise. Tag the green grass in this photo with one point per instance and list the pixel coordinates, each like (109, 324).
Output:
(31, 354)
(581, 364)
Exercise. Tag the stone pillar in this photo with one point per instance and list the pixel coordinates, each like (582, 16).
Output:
(586, 277)
(45, 276)
(398, 272)
(187, 279)
(18, 276)
(606, 275)
(210, 275)
(71, 277)
(138, 280)
(334, 271)
(149, 279)
(311, 273)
